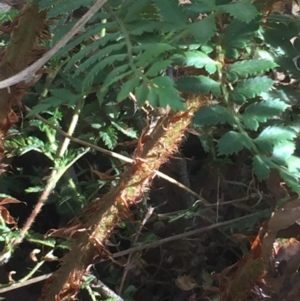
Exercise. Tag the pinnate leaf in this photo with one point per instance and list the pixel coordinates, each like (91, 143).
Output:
(249, 67)
(208, 29)
(171, 11)
(128, 87)
(152, 51)
(134, 11)
(290, 179)
(242, 10)
(212, 115)
(238, 35)
(274, 135)
(196, 59)
(293, 164)
(249, 88)
(110, 137)
(163, 86)
(261, 167)
(87, 82)
(199, 84)
(203, 6)
(59, 97)
(141, 94)
(262, 111)
(232, 142)
(156, 67)
(283, 151)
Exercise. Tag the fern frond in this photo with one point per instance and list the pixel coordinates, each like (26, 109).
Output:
(85, 51)
(99, 55)
(100, 66)
(90, 31)
(109, 137)
(128, 87)
(171, 12)
(66, 6)
(150, 54)
(133, 12)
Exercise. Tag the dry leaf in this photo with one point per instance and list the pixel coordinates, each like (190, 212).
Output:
(186, 283)
(65, 232)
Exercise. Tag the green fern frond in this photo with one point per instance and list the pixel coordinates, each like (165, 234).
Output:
(242, 10)
(247, 68)
(249, 88)
(96, 57)
(100, 66)
(171, 12)
(134, 11)
(127, 88)
(89, 32)
(149, 53)
(85, 52)
(109, 137)
(65, 6)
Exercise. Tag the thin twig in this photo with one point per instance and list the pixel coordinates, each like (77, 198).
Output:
(128, 264)
(140, 248)
(72, 126)
(246, 198)
(105, 291)
(154, 244)
(17, 285)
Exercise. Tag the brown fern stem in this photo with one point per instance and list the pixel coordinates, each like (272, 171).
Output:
(17, 56)
(101, 216)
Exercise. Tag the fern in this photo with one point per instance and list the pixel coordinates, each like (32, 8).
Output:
(65, 6)
(148, 53)
(171, 12)
(214, 115)
(273, 135)
(135, 10)
(85, 51)
(249, 88)
(109, 137)
(142, 38)
(129, 86)
(247, 68)
(199, 84)
(233, 142)
(208, 26)
(259, 112)
(196, 59)
(243, 10)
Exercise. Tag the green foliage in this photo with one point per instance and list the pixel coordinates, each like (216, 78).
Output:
(199, 84)
(213, 115)
(127, 45)
(8, 15)
(259, 112)
(238, 35)
(243, 10)
(208, 29)
(247, 68)
(233, 142)
(249, 88)
(197, 59)
(220, 50)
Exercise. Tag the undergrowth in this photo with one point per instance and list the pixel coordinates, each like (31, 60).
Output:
(107, 87)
